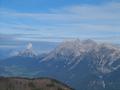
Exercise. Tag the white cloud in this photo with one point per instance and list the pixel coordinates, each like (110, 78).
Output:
(71, 20)
(105, 11)
(72, 13)
(8, 46)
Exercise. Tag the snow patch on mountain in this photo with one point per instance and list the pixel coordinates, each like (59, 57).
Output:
(28, 52)
(102, 55)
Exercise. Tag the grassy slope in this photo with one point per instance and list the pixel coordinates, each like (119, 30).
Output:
(31, 84)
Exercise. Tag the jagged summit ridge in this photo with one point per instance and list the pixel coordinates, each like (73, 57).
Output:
(74, 47)
(28, 52)
(102, 55)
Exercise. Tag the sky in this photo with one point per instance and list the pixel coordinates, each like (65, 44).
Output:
(57, 20)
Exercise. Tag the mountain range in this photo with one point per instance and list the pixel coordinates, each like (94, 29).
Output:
(84, 65)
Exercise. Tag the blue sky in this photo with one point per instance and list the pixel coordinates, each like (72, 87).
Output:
(56, 20)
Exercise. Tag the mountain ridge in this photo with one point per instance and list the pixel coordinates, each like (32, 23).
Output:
(43, 83)
(74, 62)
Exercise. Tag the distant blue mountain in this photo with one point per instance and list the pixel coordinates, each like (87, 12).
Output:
(8, 49)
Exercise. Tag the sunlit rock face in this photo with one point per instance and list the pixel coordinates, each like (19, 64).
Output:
(28, 52)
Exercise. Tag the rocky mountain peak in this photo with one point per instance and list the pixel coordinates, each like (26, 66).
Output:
(28, 51)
